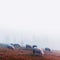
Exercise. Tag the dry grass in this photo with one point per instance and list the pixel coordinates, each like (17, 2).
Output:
(22, 57)
(14, 55)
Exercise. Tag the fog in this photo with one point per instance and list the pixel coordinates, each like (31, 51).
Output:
(30, 22)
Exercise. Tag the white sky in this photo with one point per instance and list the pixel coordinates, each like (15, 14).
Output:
(33, 21)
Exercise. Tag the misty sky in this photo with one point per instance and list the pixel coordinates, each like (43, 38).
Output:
(30, 22)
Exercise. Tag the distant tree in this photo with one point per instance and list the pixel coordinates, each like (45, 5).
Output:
(28, 46)
(16, 45)
(47, 49)
(34, 46)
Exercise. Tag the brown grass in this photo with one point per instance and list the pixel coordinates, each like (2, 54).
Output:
(14, 55)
